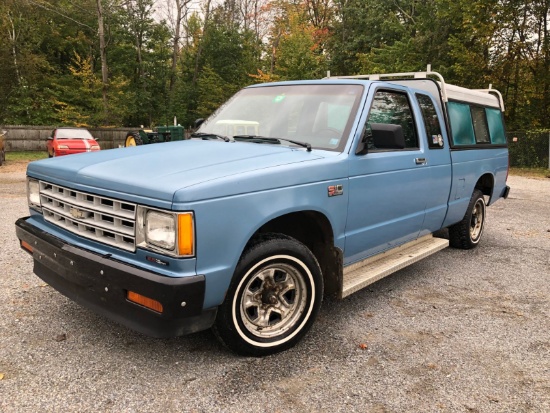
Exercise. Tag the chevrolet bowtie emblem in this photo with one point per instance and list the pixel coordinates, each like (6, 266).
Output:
(77, 213)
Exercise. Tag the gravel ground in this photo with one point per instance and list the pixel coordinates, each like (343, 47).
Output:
(461, 331)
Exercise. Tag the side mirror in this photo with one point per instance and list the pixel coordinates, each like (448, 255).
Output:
(198, 123)
(386, 136)
(381, 136)
(363, 147)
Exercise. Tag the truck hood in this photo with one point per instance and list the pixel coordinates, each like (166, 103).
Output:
(157, 172)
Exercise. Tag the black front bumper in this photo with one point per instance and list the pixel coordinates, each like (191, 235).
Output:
(101, 283)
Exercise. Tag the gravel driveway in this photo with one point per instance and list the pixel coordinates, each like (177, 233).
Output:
(461, 331)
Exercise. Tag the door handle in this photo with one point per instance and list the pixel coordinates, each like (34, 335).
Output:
(420, 161)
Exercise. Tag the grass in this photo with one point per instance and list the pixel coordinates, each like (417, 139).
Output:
(530, 172)
(26, 156)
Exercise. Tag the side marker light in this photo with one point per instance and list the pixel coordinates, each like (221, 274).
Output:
(27, 247)
(144, 301)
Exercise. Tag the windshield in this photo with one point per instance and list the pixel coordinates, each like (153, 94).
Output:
(73, 134)
(318, 114)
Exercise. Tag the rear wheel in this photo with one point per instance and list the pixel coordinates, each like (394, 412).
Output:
(133, 139)
(467, 233)
(273, 299)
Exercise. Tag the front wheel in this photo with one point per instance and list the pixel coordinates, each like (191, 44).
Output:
(467, 233)
(273, 299)
(133, 139)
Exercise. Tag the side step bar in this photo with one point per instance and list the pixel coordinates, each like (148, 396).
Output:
(366, 272)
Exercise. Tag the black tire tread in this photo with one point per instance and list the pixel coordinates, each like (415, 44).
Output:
(223, 328)
(136, 137)
(459, 233)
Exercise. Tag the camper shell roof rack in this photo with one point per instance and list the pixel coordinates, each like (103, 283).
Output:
(425, 75)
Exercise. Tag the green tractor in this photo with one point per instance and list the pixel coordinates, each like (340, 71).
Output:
(159, 134)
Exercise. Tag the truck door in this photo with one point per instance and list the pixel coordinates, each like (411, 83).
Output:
(389, 184)
(438, 160)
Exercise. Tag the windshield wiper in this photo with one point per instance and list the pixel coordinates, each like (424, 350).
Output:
(266, 139)
(206, 136)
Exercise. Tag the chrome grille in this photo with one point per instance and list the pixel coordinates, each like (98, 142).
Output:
(102, 219)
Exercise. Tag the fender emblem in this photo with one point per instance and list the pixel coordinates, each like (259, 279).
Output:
(77, 213)
(335, 190)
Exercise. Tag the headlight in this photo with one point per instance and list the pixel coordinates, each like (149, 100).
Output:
(166, 232)
(62, 147)
(33, 193)
(95, 148)
(160, 230)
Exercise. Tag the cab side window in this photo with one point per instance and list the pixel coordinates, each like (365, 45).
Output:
(431, 121)
(392, 108)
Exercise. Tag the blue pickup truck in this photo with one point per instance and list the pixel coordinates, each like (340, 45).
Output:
(289, 192)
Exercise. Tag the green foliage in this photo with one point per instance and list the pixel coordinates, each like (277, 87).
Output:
(212, 91)
(51, 68)
(297, 55)
(530, 148)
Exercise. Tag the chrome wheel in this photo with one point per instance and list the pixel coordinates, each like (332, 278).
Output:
(477, 220)
(467, 233)
(273, 300)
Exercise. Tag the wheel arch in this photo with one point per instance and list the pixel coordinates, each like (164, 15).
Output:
(486, 184)
(314, 230)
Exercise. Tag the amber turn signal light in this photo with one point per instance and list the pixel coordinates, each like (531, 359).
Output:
(186, 236)
(27, 247)
(144, 301)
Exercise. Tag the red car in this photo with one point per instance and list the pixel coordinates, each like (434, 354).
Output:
(66, 141)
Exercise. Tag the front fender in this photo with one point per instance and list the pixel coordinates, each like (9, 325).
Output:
(225, 225)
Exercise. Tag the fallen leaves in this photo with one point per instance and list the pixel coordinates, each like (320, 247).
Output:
(61, 337)
(363, 346)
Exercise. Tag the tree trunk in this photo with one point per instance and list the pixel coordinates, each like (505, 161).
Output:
(199, 49)
(104, 68)
(175, 47)
(13, 38)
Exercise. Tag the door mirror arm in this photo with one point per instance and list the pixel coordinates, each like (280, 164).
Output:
(363, 147)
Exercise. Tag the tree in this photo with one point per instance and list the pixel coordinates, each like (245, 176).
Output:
(145, 70)
(297, 51)
(103, 54)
